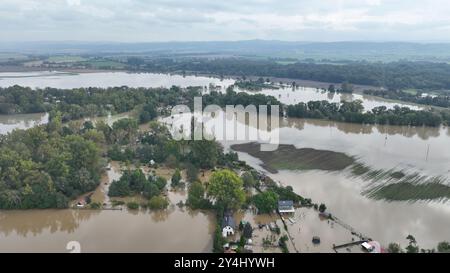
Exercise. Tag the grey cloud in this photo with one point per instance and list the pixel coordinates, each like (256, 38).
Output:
(161, 20)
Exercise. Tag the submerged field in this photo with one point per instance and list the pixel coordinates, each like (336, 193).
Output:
(288, 157)
(380, 184)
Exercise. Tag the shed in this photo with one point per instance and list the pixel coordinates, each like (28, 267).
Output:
(286, 206)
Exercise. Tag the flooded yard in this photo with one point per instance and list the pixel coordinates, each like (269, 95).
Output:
(108, 230)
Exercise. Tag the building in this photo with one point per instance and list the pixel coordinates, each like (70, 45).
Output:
(228, 225)
(286, 206)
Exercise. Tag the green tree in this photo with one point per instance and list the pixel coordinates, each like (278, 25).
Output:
(322, 207)
(204, 153)
(191, 172)
(176, 178)
(443, 247)
(265, 202)
(196, 197)
(248, 230)
(412, 246)
(394, 248)
(226, 188)
(249, 180)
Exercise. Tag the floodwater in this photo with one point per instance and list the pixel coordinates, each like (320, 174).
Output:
(107, 230)
(22, 121)
(422, 149)
(380, 147)
(288, 95)
(105, 79)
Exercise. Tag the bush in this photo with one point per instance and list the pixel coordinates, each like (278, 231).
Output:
(282, 243)
(158, 202)
(95, 205)
(322, 208)
(116, 203)
(133, 205)
(176, 178)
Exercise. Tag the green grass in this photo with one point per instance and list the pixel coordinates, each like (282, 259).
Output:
(411, 91)
(405, 191)
(65, 59)
(104, 64)
(288, 157)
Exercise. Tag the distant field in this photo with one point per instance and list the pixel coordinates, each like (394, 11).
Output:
(65, 59)
(104, 64)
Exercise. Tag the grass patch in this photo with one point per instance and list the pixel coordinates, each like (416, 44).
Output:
(405, 191)
(288, 157)
(65, 59)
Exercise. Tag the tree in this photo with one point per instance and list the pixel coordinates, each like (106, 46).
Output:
(322, 208)
(176, 178)
(394, 248)
(147, 113)
(265, 202)
(249, 180)
(196, 197)
(119, 188)
(331, 88)
(204, 153)
(160, 182)
(443, 247)
(226, 188)
(346, 87)
(191, 172)
(248, 230)
(150, 189)
(412, 246)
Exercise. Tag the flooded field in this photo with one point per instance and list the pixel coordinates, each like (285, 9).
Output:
(104, 79)
(289, 95)
(410, 150)
(23, 121)
(380, 147)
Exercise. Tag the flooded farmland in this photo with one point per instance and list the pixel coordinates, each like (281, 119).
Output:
(423, 150)
(380, 147)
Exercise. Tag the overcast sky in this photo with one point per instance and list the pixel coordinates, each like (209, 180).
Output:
(205, 20)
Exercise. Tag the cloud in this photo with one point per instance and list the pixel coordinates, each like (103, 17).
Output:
(162, 20)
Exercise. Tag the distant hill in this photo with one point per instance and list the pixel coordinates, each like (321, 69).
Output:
(371, 51)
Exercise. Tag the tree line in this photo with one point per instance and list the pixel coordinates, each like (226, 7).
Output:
(392, 75)
(354, 112)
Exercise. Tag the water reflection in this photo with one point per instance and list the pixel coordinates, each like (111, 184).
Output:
(106, 79)
(21, 121)
(287, 95)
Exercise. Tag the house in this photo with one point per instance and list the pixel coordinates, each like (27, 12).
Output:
(372, 247)
(81, 202)
(286, 206)
(228, 225)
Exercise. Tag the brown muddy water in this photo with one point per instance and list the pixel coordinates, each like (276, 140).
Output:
(108, 230)
(411, 149)
(425, 150)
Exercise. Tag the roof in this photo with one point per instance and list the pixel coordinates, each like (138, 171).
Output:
(228, 220)
(285, 203)
(367, 246)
